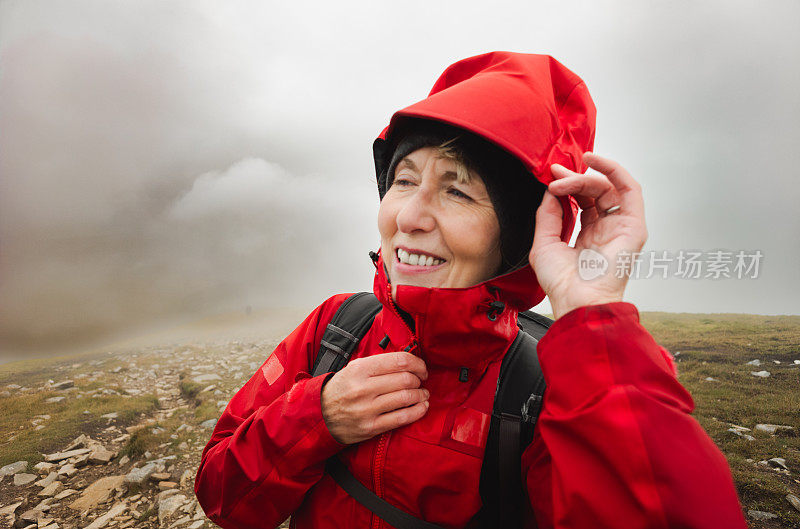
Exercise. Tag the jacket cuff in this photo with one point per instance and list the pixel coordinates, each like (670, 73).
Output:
(593, 348)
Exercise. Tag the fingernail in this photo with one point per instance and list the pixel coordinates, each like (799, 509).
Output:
(426, 393)
(427, 404)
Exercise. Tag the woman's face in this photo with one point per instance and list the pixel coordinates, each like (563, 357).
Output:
(436, 231)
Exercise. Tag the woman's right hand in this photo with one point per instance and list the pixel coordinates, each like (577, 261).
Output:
(375, 394)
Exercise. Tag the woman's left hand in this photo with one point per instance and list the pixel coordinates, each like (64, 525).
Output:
(612, 235)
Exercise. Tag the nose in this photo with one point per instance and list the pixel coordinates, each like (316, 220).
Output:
(418, 212)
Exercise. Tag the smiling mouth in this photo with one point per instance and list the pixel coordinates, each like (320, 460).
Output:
(417, 259)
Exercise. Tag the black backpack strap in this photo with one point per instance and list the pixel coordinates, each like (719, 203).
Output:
(385, 510)
(517, 403)
(350, 323)
(347, 327)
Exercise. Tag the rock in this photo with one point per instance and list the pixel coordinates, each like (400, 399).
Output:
(772, 428)
(208, 424)
(112, 415)
(167, 506)
(124, 460)
(794, 500)
(64, 493)
(11, 509)
(97, 493)
(737, 427)
(52, 489)
(54, 400)
(137, 476)
(777, 462)
(741, 433)
(180, 521)
(79, 461)
(777, 362)
(761, 374)
(68, 470)
(710, 379)
(115, 511)
(44, 467)
(101, 456)
(22, 479)
(44, 482)
(761, 515)
(160, 476)
(755, 362)
(81, 441)
(796, 362)
(63, 385)
(166, 485)
(197, 524)
(13, 468)
(186, 477)
(60, 456)
(207, 378)
(31, 516)
(166, 494)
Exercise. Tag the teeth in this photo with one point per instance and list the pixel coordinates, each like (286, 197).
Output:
(417, 259)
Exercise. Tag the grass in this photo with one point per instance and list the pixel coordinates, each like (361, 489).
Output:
(719, 346)
(68, 419)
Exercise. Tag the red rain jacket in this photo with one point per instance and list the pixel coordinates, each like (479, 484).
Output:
(615, 445)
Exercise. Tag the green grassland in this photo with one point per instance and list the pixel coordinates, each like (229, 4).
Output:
(719, 346)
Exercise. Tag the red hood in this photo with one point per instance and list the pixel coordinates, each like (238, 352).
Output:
(531, 106)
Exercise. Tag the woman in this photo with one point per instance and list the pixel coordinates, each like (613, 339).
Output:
(501, 137)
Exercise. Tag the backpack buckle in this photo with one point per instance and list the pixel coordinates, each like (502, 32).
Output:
(531, 408)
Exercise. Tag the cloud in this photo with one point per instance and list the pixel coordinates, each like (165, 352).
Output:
(168, 159)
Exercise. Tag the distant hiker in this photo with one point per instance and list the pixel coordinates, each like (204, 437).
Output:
(392, 416)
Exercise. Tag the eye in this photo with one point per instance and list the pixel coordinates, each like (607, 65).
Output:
(457, 192)
(402, 181)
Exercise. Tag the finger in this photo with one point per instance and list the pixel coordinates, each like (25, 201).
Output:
(397, 418)
(548, 222)
(381, 384)
(595, 187)
(399, 399)
(559, 172)
(589, 215)
(629, 191)
(393, 362)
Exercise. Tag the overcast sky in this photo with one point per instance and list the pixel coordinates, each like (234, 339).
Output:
(163, 160)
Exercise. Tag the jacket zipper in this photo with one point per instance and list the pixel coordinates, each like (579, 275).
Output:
(383, 439)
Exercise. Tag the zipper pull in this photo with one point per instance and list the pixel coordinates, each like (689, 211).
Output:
(412, 345)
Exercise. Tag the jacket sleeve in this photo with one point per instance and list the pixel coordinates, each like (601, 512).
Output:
(270, 445)
(616, 444)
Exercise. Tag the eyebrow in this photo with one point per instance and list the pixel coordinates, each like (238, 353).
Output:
(411, 165)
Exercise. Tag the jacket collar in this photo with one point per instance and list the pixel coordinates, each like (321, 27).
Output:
(456, 327)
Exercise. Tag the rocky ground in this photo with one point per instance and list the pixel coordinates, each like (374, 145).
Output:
(124, 469)
(112, 439)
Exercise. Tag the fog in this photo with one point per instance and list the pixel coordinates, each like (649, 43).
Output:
(162, 161)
